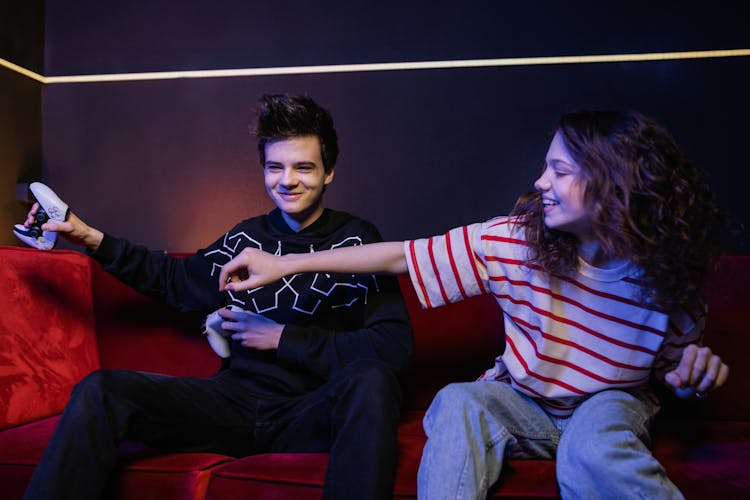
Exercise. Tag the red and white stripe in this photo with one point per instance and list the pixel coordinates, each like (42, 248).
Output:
(566, 338)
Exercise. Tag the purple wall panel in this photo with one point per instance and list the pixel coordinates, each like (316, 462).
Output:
(171, 164)
(91, 36)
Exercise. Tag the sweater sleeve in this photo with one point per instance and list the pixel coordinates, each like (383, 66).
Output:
(385, 333)
(184, 284)
(448, 268)
(684, 328)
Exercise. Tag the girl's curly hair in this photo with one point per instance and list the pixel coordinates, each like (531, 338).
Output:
(648, 205)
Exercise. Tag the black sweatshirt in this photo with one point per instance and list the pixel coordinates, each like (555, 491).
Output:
(331, 319)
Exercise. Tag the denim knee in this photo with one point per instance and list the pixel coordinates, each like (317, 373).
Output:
(604, 444)
(450, 402)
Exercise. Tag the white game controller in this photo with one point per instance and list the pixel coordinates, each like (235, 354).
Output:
(216, 335)
(51, 207)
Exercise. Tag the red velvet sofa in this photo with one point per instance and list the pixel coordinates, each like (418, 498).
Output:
(62, 317)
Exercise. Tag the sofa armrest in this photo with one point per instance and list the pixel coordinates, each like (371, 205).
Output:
(46, 331)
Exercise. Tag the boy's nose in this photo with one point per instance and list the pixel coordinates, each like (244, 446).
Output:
(289, 178)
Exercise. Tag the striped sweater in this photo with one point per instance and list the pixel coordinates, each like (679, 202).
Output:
(566, 337)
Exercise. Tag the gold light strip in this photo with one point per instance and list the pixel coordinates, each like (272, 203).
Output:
(401, 66)
(21, 70)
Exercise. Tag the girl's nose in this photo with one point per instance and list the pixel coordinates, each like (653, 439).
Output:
(542, 184)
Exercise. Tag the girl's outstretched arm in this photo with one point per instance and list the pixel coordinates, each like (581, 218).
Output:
(252, 268)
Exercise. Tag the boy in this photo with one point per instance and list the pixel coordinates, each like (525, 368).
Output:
(314, 358)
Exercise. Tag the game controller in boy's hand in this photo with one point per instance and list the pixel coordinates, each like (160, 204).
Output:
(216, 335)
(51, 208)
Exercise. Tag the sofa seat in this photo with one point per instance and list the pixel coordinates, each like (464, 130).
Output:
(711, 463)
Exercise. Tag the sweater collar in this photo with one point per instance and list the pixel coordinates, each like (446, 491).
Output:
(319, 226)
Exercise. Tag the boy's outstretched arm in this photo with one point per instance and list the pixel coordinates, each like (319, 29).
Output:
(252, 268)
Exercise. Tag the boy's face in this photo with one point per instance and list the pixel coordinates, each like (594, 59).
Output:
(562, 186)
(295, 179)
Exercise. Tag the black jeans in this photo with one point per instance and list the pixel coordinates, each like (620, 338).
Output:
(354, 416)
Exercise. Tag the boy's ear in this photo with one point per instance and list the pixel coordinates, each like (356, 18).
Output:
(329, 177)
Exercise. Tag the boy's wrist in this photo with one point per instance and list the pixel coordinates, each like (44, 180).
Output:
(93, 239)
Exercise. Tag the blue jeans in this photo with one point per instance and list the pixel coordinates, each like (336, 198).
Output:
(601, 451)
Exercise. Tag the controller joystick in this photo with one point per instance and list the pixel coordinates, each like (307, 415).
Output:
(51, 207)
(215, 334)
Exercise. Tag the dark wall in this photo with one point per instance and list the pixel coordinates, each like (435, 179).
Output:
(91, 36)
(20, 146)
(21, 42)
(170, 163)
(22, 33)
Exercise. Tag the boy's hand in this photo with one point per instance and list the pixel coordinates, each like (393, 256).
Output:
(699, 372)
(73, 229)
(252, 330)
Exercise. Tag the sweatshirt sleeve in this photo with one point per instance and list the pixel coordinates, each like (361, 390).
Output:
(385, 333)
(185, 284)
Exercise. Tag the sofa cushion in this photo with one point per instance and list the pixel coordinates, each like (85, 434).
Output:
(274, 475)
(145, 473)
(728, 296)
(140, 333)
(454, 343)
(705, 459)
(300, 475)
(175, 476)
(48, 325)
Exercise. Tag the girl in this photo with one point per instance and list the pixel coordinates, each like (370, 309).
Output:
(597, 274)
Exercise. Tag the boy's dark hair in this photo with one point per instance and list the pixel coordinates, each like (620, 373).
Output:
(282, 116)
(648, 204)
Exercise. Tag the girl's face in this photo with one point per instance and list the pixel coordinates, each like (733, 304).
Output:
(562, 186)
